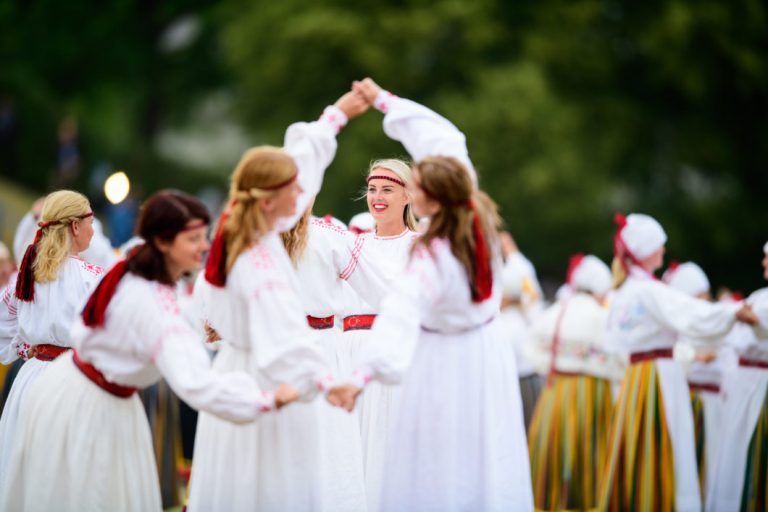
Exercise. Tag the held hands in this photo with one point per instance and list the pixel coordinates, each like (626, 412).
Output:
(352, 104)
(359, 99)
(211, 336)
(284, 395)
(366, 88)
(747, 315)
(343, 396)
(705, 357)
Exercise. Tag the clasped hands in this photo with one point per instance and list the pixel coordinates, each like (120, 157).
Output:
(359, 99)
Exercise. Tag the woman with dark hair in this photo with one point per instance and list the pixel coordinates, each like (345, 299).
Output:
(455, 443)
(82, 430)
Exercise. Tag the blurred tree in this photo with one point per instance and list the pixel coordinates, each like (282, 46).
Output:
(573, 109)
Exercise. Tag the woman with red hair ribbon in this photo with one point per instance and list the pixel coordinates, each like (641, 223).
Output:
(457, 441)
(651, 461)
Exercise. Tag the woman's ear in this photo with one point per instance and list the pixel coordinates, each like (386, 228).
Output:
(163, 246)
(267, 204)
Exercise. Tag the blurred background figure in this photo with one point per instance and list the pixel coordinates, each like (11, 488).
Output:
(521, 304)
(567, 343)
(362, 222)
(68, 154)
(7, 265)
(9, 134)
(703, 362)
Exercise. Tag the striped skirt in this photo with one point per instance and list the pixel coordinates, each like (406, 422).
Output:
(567, 441)
(754, 495)
(699, 430)
(638, 473)
(530, 389)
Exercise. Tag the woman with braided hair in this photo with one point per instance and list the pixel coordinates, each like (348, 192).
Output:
(252, 297)
(452, 446)
(83, 439)
(42, 300)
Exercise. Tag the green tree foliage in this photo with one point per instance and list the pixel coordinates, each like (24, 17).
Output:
(573, 109)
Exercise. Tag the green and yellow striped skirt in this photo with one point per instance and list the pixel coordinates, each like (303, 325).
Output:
(754, 495)
(639, 474)
(567, 441)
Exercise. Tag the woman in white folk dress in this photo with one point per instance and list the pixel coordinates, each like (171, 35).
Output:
(569, 431)
(83, 439)
(703, 363)
(740, 480)
(323, 295)
(254, 304)
(651, 458)
(42, 300)
(452, 446)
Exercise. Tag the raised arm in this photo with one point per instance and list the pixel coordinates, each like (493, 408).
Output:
(422, 131)
(313, 146)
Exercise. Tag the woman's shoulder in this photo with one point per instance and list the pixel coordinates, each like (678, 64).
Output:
(84, 268)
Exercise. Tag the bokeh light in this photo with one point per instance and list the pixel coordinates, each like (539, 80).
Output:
(116, 187)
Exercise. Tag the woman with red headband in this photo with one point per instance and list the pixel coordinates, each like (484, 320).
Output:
(42, 300)
(83, 438)
(740, 479)
(569, 430)
(651, 461)
(253, 297)
(456, 443)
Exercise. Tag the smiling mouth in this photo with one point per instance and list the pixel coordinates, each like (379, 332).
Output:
(379, 207)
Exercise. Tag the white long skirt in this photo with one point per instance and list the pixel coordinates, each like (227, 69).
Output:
(341, 456)
(458, 441)
(270, 465)
(375, 409)
(679, 414)
(744, 390)
(28, 374)
(80, 449)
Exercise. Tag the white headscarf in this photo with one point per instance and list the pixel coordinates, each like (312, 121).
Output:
(687, 277)
(642, 235)
(591, 275)
(362, 223)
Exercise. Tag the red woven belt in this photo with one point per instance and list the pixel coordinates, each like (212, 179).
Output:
(98, 378)
(701, 386)
(317, 322)
(753, 363)
(46, 352)
(358, 322)
(650, 355)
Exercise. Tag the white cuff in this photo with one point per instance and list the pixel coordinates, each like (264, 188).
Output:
(265, 401)
(326, 383)
(383, 101)
(22, 350)
(361, 377)
(334, 117)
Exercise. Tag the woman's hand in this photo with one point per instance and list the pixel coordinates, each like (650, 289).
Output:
(343, 396)
(284, 395)
(367, 88)
(746, 315)
(211, 336)
(352, 104)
